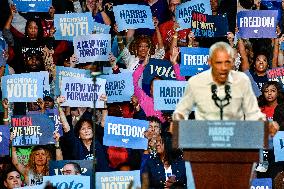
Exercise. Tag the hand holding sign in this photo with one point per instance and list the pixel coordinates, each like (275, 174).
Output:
(60, 100)
(5, 104)
(273, 127)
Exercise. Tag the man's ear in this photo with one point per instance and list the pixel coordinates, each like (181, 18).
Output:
(209, 61)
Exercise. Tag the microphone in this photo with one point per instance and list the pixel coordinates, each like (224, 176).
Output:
(214, 88)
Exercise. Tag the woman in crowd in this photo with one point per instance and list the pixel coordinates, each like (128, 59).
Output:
(80, 141)
(166, 169)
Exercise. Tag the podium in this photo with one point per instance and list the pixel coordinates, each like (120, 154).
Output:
(221, 153)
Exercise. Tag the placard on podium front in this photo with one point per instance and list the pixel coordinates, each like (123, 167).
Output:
(221, 153)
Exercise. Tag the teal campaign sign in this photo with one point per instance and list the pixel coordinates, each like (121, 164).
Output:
(131, 16)
(167, 93)
(62, 71)
(94, 47)
(68, 181)
(278, 144)
(184, 12)
(257, 23)
(261, 183)
(118, 179)
(32, 5)
(27, 87)
(193, 60)
(119, 87)
(83, 92)
(72, 24)
(29, 130)
(4, 139)
(125, 132)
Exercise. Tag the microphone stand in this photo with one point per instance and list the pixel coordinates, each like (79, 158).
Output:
(220, 102)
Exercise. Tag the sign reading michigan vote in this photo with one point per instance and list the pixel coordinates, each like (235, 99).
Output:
(167, 93)
(82, 92)
(94, 47)
(221, 134)
(73, 24)
(132, 16)
(184, 11)
(32, 5)
(257, 23)
(193, 60)
(119, 87)
(26, 87)
(29, 130)
(125, 132)
(118, 179)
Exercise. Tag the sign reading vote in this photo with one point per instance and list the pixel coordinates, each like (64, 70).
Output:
(27, 87)
(70, 181)
(204, 25)
(94, 47)
(32, 5)
(82, 92)
(62, 71)
(72, 24)
(125, 132)
(4, 139)
(56, 167)
(119, 87)
(261, 183)
(276, 74)
(184, 11)
(118, 179)
(101, 28)
(32, 130)
(278, 144)
(257, 23)
(157, 67)
(168, 93)
(193, 60)
(131, 16)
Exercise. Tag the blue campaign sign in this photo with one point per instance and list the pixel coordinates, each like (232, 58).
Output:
(68, 181)
(54, 115)
(276, 74)
(131, 16)
(261, 183)
(3, 46)
(45, 83)
(94, 47)
(32, 5)
(189, 176)
(4, 139)
(184, 11)
(35, 129)
(278, 144)
(257, 23)
(167, 93)
(62, 71)
(83, 92)
(158, 67)
(101, 28)
(125, 132)
(193, 60)
(73, 24)
(119, 87)
(282, 46)
(27, 87)
(204, 25)
(118, 179)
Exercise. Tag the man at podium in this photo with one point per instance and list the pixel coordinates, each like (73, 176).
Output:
(220, 92)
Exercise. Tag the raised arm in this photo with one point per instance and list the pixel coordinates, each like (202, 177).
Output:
(16, 163)
(173, 58)
(159, 36)
(65, 124)
(276, 46)
(244, 57)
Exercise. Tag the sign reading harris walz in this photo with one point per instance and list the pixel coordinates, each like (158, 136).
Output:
(257, 24)
(220, 134)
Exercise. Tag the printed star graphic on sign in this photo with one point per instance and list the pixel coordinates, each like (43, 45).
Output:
(255, 31)
(125, 140)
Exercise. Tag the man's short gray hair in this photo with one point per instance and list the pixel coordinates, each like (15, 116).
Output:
(221, 46)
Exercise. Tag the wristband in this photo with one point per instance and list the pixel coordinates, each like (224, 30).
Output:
(6, 119)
